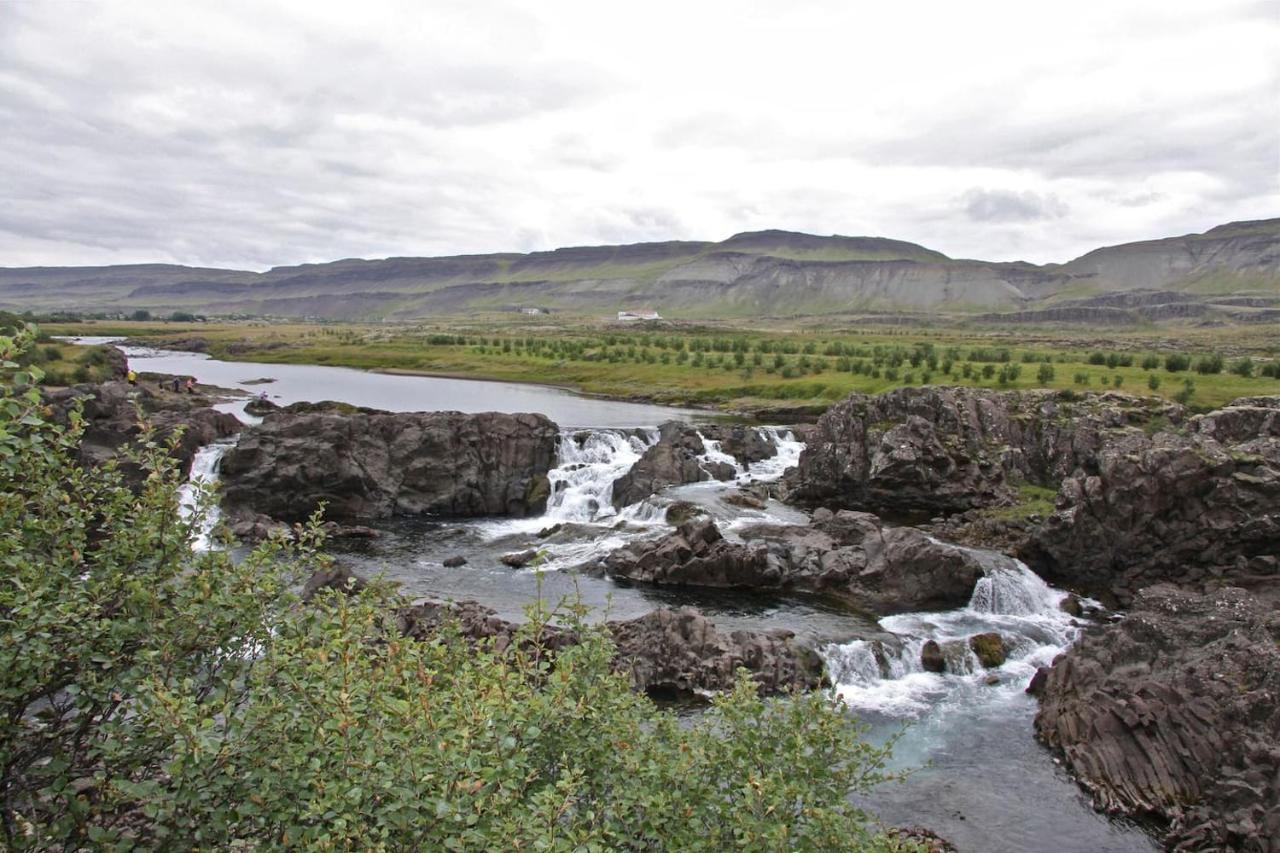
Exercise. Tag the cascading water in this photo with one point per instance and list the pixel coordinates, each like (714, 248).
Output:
(886, 675)
(582, 481)
(204, 473)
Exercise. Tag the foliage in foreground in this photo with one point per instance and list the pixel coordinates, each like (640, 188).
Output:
(154, 696)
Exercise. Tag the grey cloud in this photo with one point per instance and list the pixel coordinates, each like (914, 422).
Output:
(1007, 206)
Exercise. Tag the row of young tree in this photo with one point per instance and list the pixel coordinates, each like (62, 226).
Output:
(843, 357)
(156, 697)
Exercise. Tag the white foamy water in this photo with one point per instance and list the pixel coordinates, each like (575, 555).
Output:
(204, 474)
(885, 676)
(582, 494)
(788, 456)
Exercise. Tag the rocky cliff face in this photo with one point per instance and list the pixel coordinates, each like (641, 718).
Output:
(111, 411)
(942, 449)
(377, 465)
(1199, 506)
(1173, 713)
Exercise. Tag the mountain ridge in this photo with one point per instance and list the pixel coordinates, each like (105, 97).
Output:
(772, 272)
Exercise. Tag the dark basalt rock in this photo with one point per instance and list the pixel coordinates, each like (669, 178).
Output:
(664, 651)
(1198, 508)
(674, 460)
(1173, 713)
(931, 657)
(519, 559)
(111, 420)
(850, 555)
(454, 562)
(942, 449)
(378, 465)
(989, 648)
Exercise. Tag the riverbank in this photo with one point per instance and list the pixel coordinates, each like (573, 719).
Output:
(738, 370)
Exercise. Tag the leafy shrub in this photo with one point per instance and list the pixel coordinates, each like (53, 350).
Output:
(1177, 362)
(1209, 364)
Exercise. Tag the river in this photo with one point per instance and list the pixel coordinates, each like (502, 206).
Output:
(979, 778)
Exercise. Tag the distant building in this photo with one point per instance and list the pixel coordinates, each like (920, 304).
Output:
(639, 314)
(533, 311)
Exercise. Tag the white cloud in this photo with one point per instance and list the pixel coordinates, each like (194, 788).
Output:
(253, 134)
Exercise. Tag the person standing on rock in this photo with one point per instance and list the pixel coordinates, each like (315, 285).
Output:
(177, 384)
(191, 385)
(131, 377)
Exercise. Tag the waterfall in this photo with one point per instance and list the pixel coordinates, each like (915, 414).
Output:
(887, 676)
(191, 502)
(788, 456)
(714, 455)
(582, 481)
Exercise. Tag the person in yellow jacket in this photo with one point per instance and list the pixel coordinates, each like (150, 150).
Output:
(131, 376)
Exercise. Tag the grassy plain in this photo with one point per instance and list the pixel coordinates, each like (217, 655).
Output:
(730, 366)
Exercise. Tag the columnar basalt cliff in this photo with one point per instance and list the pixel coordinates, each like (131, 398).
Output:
(1198, 506)
(1174, 713)
(365, 465)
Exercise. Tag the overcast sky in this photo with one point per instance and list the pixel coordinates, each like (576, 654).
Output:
(251, 134)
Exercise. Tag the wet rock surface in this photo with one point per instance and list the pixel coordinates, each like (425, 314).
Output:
(1174, 712)
(675, 459)
(377, 465)
(852, 555)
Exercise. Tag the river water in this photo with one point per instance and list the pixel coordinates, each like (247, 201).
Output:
(978, 777)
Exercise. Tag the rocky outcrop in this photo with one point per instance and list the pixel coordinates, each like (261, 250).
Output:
(850, 555)
(368, 466)
(942, 449)
(1174, 713)
(664, 652)
(111, 413)
(1199, 507)
(676, 458)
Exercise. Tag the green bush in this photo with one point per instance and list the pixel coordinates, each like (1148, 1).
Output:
(156, 697)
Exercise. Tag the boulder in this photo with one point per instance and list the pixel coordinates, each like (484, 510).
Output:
(989, 648)
(941, 449)
(454, 562)
(519, 559)
(850, 555)
(931, 657)
(676, 458)
(335, 579)
(681, 511)
(681, 651)
(377, 465)
(1172, 713)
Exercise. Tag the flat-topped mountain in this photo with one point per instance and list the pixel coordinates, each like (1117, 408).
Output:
(1231, 271)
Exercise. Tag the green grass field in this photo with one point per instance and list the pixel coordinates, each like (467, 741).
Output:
(727, 366)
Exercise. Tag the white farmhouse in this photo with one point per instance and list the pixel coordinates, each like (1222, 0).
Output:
(639, 314)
